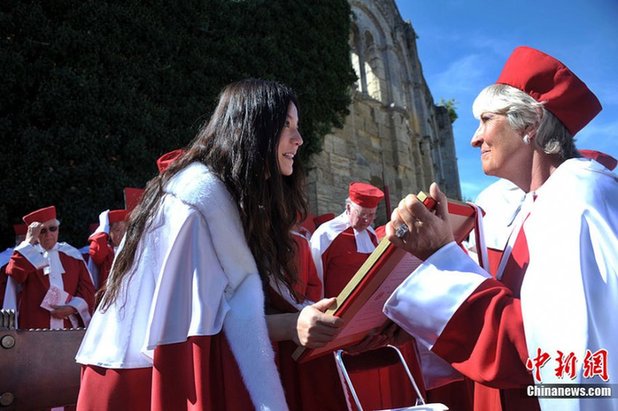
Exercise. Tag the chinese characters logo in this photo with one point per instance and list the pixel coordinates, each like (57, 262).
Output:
(594, 364)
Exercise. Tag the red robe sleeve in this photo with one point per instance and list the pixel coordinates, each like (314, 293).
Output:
(85, 287)
(497, 354)
(309, 284)
(466, 317)
(19, 267)
(3, 280)
(99, 247)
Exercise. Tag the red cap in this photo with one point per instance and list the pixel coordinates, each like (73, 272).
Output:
(608, 161)
(132, 197)
(40, 216)
(20, 229)
(167, 159)
(365, 195)
(117, 215)
(549, 81)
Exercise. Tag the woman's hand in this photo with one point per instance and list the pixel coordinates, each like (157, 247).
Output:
(314, 328)
(427, 231)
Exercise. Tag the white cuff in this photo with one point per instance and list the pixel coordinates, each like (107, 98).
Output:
(82, 309)
(247, 334)
(31, 254)
(425, 302)
(103, 224)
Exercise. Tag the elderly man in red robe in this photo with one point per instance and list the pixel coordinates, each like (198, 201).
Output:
(51, 275)
(339, 247)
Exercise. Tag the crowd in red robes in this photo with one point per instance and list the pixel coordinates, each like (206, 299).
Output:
(313, 385)
(27, 272)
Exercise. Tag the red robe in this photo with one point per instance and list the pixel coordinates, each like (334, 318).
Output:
(3, 280)
(219, 388)
(102, 254)
(341, 261)
(35, 284)
(217, 385)
(309, 386)
(313, 385)
(549, 297)
(376, 388)
(4, 260)
(309, 285)
(164, 341)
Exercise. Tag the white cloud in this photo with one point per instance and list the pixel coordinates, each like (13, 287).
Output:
(463, 76)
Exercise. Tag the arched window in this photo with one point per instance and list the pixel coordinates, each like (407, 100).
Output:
(357, 69)
(371, 65)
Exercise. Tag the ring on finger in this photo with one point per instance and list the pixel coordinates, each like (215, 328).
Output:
(402, 231)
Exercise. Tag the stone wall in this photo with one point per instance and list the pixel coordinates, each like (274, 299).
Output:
(395, 136)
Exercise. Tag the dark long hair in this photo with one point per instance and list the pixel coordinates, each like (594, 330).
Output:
(239, 145)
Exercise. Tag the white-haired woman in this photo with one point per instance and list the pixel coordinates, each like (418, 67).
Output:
(544, 316)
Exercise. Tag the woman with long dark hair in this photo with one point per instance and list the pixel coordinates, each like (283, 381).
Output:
(182, 318)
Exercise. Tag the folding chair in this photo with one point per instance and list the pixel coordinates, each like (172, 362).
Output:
(381, 357)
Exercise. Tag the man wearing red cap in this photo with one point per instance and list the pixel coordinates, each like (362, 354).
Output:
(543, 316)
(104, 243)
(339, 247)
(45, 268)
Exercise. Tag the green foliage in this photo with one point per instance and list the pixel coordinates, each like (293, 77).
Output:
(450, 106)
(94, 91)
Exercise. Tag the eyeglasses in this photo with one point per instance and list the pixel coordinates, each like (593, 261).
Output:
(364, 216)
(52, 229)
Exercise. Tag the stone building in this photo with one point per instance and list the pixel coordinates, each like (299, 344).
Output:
(395, 136)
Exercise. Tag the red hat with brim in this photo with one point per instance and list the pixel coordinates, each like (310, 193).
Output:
(167, 159)
(20, 229)
(41, 215)
(608, 161)
(117, 216)
(132, 197)
(549, 81)
(365, 195)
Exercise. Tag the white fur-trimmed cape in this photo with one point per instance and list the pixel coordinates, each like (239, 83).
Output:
(195, 275)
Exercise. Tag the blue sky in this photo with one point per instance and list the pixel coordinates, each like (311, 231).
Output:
(463, 44)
